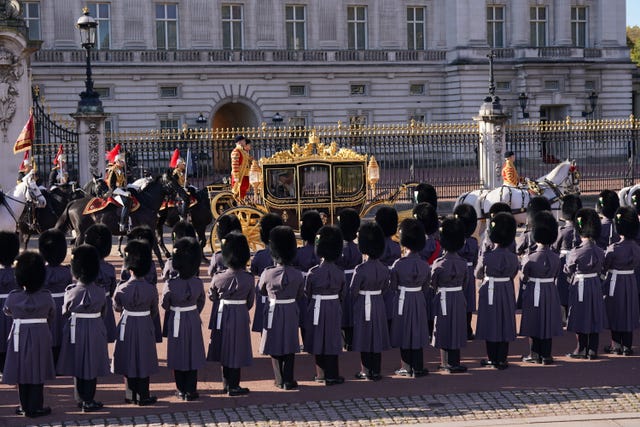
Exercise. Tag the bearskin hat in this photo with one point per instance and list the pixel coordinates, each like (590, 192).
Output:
(30, 271)
(99, 236)
(235, 250)
(183, 229)
(588, 223)
(626, 222)
(349, 222)
(52, 245)
(499, 207)
(387, 219)
(137, 257)
(85, 263)
(142, 232)
(186, 257)
(329, 243)
(283, 245)
(427, 215)
(502, 229)
(268, 223)
(452, 234)
(9, 247)
(412, 235)
(570, 205)
(469, 217)
(537, 204)
(635, 200)
(544, 228)
(371, 240)
(226, 224)
(425, 192)
(608, 203)
(310, 223)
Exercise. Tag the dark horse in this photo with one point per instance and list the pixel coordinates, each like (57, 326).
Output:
(200, 213)
(150, 197)
(36, 220)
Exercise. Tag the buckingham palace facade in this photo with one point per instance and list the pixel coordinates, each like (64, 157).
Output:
(167, 64)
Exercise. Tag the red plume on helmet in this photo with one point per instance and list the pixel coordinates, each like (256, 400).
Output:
(174, 158)
(60, 152)
(111, 155)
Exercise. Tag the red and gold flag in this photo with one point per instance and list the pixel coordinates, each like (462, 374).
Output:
(26, 137)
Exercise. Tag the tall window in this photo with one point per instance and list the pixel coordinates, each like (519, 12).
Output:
(538, 26)
(357, 27)
(495, 26)
(295, 21)
(579, 20)
(101, 13)
(167, 26)
(31, 13)
(232, 26)
(415, 28)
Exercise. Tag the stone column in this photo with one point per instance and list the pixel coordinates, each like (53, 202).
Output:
(520, 19)
(491, 123)
(91, 146)
(563, 22)
(15, 88)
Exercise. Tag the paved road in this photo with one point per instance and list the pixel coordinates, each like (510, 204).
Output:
(608, 388)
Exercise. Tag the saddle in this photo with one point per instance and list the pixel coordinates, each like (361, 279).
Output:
(96, 204)
(171, 203)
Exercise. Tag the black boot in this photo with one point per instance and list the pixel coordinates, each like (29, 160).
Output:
(124, 214)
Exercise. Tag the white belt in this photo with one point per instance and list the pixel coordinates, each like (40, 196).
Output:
(614, 275)
(272, 307)
(581, 278)
(221, 305)
(127, 313)
(565, 251)
(75, 316)
(443, 297)
(58, 295)
(353, 270)
(107, 294)
(305, 273)
(492, 281)
(536, 288)
(176, 317)
(469, 264)
(264, 299)
(316, 306)
(367, 302)
(16, 330)
(4, 296)
(403, 290)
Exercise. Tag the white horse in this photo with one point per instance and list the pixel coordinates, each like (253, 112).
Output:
(13, 203)
(627, 196)
(563, 179)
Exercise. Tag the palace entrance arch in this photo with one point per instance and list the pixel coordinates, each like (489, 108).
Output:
(235, 115)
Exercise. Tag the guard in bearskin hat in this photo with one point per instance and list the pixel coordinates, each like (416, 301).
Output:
(608, 204)
(467, 214)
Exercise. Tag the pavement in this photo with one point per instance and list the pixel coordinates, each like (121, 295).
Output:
(599, 393)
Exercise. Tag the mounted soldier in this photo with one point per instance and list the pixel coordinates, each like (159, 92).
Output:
(25, 167)
(117, 183)
(179, 179)
(59, 175)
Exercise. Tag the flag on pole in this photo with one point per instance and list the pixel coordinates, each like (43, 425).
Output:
(25, 161)
(174, 158)
(26, 137)
(189, 168)
(60, 152)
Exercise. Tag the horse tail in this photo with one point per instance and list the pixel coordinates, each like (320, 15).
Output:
(63, 224)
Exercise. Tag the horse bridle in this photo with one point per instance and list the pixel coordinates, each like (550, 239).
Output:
(25, 203)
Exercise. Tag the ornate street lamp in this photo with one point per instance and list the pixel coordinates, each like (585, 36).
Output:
(89, 99)
(522, 99)
(277, 120)
(201, 120)
(593, 103)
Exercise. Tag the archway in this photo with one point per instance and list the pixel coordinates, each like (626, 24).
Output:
(235, 115)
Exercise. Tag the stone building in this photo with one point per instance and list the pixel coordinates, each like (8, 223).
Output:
(165, 64)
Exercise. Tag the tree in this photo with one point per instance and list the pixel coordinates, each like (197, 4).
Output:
(633, 43)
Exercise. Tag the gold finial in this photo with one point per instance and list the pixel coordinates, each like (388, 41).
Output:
(85, 10)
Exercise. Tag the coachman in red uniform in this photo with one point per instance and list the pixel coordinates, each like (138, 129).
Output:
(240, 164)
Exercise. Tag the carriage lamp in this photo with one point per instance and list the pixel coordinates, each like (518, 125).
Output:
(373, 174)
(89, 99)
(522, 99)
(255, 177)
(593, 102)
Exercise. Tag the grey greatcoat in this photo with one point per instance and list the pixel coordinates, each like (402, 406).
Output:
(621, 298)
(107, 281)
(87, 357)
(231, 343)
(135, 353)
(185, 345)
(56, 281)
(450, 329)
(7, 284)
(372, 335)
(260, 261)
(33, 362)
(283, 286)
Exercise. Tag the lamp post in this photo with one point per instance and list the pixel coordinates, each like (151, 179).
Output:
(201, 121)
(277, 120)
(89, 99)
(523, 99)
(593, 102)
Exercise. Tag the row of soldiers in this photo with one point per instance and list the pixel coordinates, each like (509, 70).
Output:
(367, 296)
